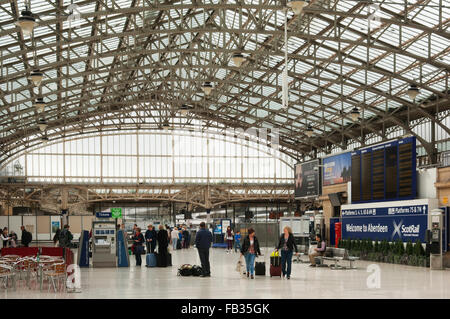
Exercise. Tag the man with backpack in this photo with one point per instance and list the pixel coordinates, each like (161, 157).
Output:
(27, 237)
(65, 237)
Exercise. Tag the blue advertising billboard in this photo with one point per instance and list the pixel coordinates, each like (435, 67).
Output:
(337, 169)
(408, 222)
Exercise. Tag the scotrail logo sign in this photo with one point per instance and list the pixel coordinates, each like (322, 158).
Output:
(404, 223)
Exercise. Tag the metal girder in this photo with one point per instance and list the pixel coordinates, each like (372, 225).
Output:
(206, 196)
(206, 34)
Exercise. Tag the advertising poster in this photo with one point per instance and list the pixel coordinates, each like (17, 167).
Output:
(307, 182)
(55, 226)
(337, 169)
(390, 223)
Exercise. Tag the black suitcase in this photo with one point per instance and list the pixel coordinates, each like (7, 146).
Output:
(169, 259)
(260, 269)
(160, 262)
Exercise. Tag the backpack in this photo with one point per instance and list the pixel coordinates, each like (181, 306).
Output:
(185, 270)
(62, 238)
(196, 270)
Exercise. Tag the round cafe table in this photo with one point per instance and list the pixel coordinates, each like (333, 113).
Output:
(41, 265)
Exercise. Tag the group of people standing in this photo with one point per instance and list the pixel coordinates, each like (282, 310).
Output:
(152, 239)
(250, 248)
(10, 239)
(179, 235)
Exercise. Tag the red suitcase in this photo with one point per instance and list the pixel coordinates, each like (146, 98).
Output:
(275, 271)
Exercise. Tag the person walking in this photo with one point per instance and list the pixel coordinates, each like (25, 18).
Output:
(58, 233)
(229, 238)
(250, 250)
(138, 240)
(163, 242)
(150, 239)
(203, 242)
(65, 238)
(26, 238)
(5, 238)
(237, 241)
(174, 237)
(287, 246)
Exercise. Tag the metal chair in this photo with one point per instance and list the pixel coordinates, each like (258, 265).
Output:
(58, 274)
(7, 273)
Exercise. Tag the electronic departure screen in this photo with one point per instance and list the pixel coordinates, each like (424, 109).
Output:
(385, 172)
(366, 182)
(378, 174)
(356, 177)
(391, 172)
(404, 169)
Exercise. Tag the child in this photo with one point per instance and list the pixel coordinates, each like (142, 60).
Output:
(237, 241)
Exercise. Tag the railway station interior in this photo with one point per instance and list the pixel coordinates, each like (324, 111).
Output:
(324, 121)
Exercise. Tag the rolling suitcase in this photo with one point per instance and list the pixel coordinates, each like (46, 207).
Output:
(150, 260)
(275, 271)
(160, 262)
(169, 259)
(260, 269)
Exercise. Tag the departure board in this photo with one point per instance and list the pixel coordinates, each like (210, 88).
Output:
(356, 182)
(385, 172)
(366, 181)
(405, 154)
(378, 174)
(391, 172)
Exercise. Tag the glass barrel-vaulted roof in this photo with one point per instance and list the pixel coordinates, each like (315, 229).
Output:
(129, 63)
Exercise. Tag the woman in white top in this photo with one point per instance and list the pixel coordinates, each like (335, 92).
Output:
(5, 238)
(174, 236)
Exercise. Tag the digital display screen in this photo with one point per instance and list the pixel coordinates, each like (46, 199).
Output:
(384, 172)
(307, 181)
(378, 174)
(391, 172)
(356, 174)
(405, 172)
(366, 181)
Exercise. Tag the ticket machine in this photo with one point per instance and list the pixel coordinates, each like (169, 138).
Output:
(104, 243)
(436, 254)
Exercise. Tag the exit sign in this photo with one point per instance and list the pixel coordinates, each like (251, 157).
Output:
(116, 212)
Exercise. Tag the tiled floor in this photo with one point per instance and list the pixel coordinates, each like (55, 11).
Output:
(395, 282)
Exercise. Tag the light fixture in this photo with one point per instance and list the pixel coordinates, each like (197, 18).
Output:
(26, 22)
(413, 91)
(42, 125)
(207, 88)
(36, 77)
(309, 131)
(165, 126)
(238, 59)
(354, 114)
(39, 104)
(184, 109)
(297, 6)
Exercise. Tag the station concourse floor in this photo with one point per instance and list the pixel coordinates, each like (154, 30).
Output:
(396, 281)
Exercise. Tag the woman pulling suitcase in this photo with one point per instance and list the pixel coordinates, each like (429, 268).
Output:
(287, 246)
(250, 250)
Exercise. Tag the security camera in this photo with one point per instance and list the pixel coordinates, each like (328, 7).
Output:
(316, 168)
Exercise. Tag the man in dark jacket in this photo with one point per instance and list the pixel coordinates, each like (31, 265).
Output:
(150, 239)
(203, 242)
(65, 238)
(163, 242)
(27, 237)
